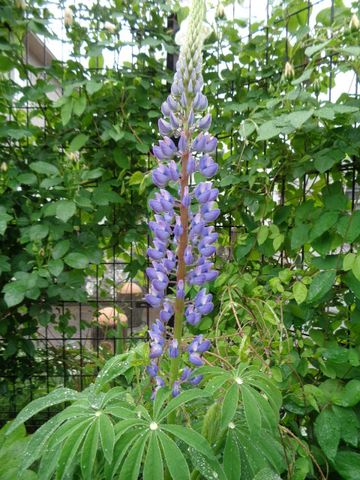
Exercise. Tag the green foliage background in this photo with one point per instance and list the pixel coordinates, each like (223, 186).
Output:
(288, 296)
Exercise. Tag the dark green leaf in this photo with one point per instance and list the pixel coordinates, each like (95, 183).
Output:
(65, 209)
(191, 438)
(320, 285)
(229, 405)
(327, 432)
(175, 461)
(232, 458)
(76, 260)
(153, 466)
(44, 168)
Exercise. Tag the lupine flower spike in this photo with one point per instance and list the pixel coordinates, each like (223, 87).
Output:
(183, 240)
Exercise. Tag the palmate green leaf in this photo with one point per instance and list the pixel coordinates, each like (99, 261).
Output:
(267, 474)
(113, 368)
(48, 463)
(69, 451)
(229, 405)
(38, 440)
(131, 467)
(232, 458)
(89, 449)
(120, 451)
(252, 458)
(268, 443)
(60, 395)
(327, 430)
(251, 409)
(116, 393)
(174, 459)
(209, 468)
(153, 466)
(269, 415)
(180, 400)
(191, 438)
(263, 383)
(107, 436)
(67, 428)
(160, 398)
(215, 383)
(122, 427)
(120, 411)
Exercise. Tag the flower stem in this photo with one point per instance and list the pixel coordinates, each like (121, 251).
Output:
(181, 271)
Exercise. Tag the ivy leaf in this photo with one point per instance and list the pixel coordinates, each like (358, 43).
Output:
(4, 220)
(310, 51)
(92, 86)
(350, 395)
(38, 232)
(297, 119)
(268, 130)
(78, 142)
(55, 267)
(44, 168)
(356, 267)
(327, 431)
(320, 285)
(79, 105)
(323, 224)
(300, 292)
(65, 209)
(76, 260)
(299, 236)
(349, 424)
(66, 111)
(60, 249)
(262, 234)
(348, 261)
(347, 464)
(14, 293)
(349, 226)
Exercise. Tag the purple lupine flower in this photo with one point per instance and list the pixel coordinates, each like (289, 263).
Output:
(152, 369)
(167, 312)
(183, 240)
(174, 349)
(205, 122)
(207, 166)
(196, 380)
(176, 389)
(186, 374)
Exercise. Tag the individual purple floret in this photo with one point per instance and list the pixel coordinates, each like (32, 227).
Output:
(183, 239)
